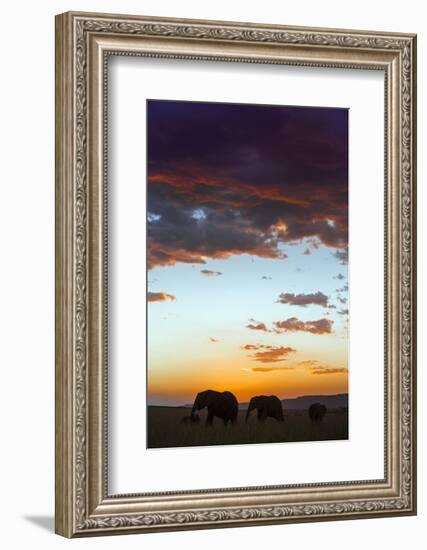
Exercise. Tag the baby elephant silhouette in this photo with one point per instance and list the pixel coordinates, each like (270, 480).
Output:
(316, 412)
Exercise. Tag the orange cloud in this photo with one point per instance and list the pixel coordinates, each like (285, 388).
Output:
(321, 326)
(195, 182)
(268, 354)
(303, 300)
(160, 297)
(270, 369)
(327, 370)
(256, 325)
(166, 255)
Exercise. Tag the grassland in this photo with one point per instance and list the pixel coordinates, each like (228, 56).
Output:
(166, 429)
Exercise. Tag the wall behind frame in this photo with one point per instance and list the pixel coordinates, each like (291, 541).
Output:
(27, 273)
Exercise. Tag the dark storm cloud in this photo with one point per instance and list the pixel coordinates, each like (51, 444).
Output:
(179, 237)
(220, 183)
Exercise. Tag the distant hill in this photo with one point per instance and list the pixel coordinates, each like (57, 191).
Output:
(303, 402)
(331, 401)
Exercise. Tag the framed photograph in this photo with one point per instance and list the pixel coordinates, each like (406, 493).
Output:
(235, 274)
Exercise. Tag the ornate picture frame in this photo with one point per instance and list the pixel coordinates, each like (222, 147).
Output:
(84, 42)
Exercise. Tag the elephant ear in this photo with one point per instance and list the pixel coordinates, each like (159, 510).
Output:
(209, 397)
(199, 401)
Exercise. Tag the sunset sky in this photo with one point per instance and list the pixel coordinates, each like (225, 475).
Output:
(247, 250)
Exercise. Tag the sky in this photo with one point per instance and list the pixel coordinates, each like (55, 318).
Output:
(247, 249)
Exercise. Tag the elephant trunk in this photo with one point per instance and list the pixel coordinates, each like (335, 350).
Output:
(193, 410)
(250, 407)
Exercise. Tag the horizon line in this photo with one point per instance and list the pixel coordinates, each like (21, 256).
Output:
(241, 402)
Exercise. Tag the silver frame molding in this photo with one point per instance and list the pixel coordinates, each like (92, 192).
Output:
(83, 43)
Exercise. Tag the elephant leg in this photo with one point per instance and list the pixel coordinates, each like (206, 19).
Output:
(209, 419)
(225, 421)
(262, 416)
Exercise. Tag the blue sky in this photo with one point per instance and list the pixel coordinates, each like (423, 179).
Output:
(246, 204)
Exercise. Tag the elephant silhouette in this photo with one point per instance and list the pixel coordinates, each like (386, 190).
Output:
(223, 405)
(267, 406)
(316, 412)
